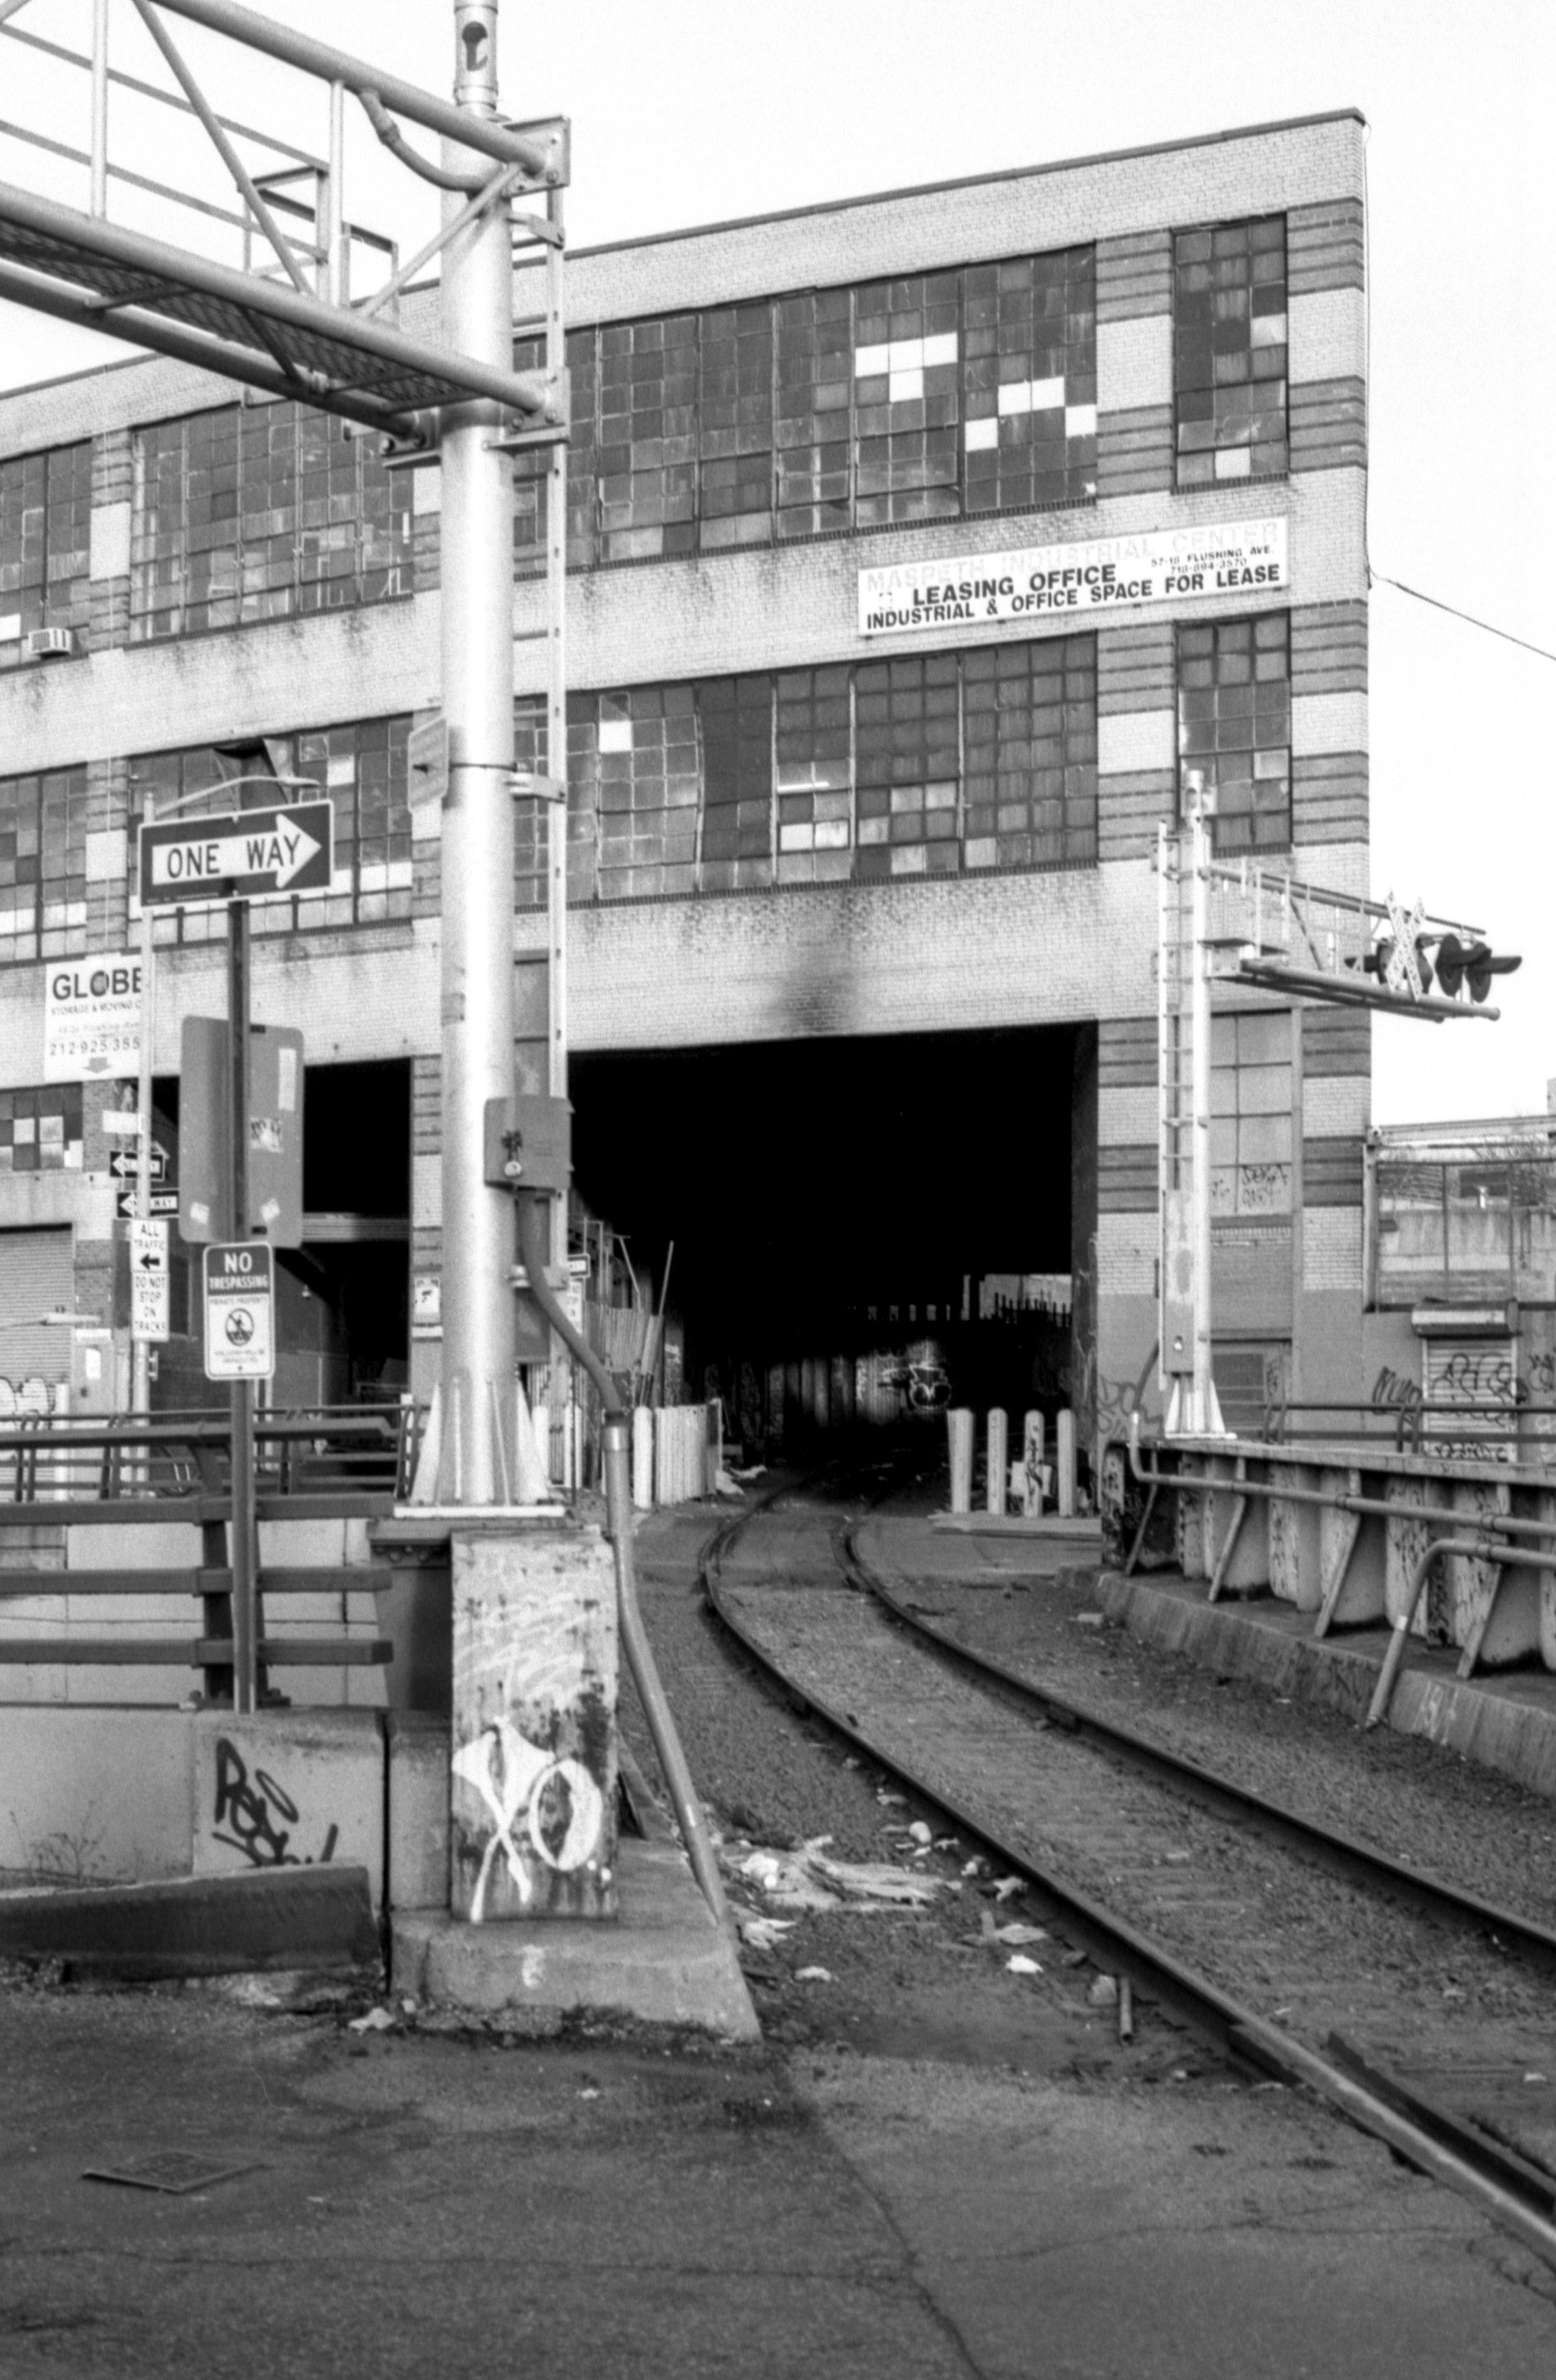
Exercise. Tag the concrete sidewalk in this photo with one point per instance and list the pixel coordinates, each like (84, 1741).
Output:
(649, 2211)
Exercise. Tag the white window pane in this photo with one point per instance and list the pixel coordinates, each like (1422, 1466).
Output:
(1015, 396)
(904, 386)
(868, 361)
(942, 349)
(981, 434)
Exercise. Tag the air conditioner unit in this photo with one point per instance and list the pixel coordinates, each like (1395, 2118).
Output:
(49, 645)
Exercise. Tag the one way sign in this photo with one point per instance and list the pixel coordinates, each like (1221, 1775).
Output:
(241, 858)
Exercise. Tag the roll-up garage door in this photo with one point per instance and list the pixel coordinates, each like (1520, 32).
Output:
(1471, 1391)
(35, 1278)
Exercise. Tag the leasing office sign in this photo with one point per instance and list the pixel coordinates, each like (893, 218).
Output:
(1158, 566)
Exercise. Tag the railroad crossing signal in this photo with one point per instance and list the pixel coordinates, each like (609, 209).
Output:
(239, 1312)
(247, 856)
(148, 1279)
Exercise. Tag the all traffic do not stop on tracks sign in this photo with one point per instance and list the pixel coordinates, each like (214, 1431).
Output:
(239, 1311)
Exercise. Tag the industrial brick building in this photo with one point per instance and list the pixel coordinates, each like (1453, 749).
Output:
(918, 544)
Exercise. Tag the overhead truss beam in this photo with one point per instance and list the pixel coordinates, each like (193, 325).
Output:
(249, 329)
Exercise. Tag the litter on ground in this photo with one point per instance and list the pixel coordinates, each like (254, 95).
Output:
(807, 1878)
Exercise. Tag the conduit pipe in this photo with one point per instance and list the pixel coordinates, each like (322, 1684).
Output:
(1393, 1658)
(533, 1248)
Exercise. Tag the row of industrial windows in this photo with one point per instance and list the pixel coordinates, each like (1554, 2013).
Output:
(927, 765)
(932, 397)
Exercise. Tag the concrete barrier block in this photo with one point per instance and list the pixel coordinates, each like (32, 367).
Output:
(95, 1796)
(1471, 1579)
(1295, 1552)
(1247, 1568)
(418, 1791)
(288, 1789)
(1354, 1553)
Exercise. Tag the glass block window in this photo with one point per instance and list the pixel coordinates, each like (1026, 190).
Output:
(812, 412)
(734, 426)
(257, 513)
(1235, 727)
(814, 776)
(1251, 1114)
(736, 717)
(1029, 433)
(648, 437)
(45, 522)
(43, 864)
(40, 1131)
(907, 399)
(909, 764)
(1029, 753)
(1229, 351)
(362, 766)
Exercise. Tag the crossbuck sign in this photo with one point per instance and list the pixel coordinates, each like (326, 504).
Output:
(239, 858)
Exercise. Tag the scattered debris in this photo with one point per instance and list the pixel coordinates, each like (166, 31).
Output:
(1177, 1859)
(807, 1878)
(1536, 2077)
(974, 1867)
(815, 1976)
(762, 1932)
(1020, 1964)
(891, 1801)
(920, 1833)
(1103, 1992)
(1019, 1933)
(1007, 1887)
(176, 2171)
(1125, 2009)
(377, 2020)
(1091, 1619)
(591, 2092)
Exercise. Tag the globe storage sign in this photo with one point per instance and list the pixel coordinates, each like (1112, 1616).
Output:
(1072, 583)
(91, 1018)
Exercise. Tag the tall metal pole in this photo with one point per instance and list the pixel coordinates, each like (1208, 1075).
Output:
(478, 835)
(245, 1548)
(562, 1372)
(140, 1349)
(1205, 1416)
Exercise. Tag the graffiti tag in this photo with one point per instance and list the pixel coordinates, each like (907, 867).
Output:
(559, 1801)
(250, 1808)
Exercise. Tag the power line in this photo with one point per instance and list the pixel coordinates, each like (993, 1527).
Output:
(1379, 578)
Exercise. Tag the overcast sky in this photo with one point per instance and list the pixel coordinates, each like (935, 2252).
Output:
(691, 112)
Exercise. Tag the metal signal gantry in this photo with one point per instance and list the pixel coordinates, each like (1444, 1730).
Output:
(1239, 925)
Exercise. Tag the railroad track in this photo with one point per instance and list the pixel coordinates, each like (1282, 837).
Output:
(1292, 1948)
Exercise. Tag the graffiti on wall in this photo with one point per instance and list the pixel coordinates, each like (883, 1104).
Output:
(259, 1815)
(562, 1807)
(26, 1400)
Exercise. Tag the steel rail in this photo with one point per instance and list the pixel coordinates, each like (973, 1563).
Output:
(1330, 1844)
(1236, 2031)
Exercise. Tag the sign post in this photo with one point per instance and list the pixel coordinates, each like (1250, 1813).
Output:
(246, 856)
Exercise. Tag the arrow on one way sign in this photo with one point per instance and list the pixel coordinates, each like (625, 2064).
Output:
(246, 856)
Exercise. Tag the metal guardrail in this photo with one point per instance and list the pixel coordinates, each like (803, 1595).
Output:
(361, 1457)
(316, 1463)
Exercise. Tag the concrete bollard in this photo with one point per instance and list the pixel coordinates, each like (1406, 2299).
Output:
(998, 1461)
(960, 1425)
(1032, 1464)
(1065, 1464)
(643, 1458)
